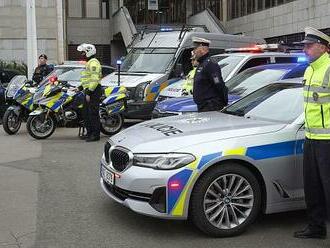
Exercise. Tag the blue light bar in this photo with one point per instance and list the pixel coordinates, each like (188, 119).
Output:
(302, 60)
(166, 29)
(119, 62)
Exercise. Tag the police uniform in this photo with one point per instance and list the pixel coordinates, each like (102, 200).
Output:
(317, 144)
(90, 84)
(210, 92)
(41, 72)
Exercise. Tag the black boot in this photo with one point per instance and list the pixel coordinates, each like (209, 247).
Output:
(93, 138)
(311, 232)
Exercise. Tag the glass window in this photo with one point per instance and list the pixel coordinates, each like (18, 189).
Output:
(107, 70)
(255, 62)
(252, 79)
(286, 60)
(274, 97)
(65, 74)
(148, 60)
(75, 8)
(105, 6)
(227, 63)
(93, 9)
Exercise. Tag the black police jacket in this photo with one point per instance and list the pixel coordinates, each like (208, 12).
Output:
(41, 72)
(208, 82)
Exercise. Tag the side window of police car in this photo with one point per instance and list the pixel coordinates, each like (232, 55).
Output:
(286, 59)
(255, 62)
(106, 71)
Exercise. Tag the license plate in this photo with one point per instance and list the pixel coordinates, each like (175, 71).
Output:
(108, 176)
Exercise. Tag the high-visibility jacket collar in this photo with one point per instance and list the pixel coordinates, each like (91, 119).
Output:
(324, 59)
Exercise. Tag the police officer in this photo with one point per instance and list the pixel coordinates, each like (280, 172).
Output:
(317, 130)
(42, 70)
(90, 84)
(210, 92)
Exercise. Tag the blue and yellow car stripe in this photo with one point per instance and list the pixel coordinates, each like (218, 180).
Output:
(112, 90)
(153, 92)
(176, 197)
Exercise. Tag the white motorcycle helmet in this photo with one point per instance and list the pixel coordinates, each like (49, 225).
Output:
(89, 49)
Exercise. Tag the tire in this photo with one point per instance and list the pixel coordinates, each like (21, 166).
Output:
(41, 133)
(11, 122)
(207, 210)
(113, 124)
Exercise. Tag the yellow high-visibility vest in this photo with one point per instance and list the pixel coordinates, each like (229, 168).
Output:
(317, 99)
(91, 76)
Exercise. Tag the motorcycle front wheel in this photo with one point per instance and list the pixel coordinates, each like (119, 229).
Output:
(112, 124)
(11, 122)
(40, 127)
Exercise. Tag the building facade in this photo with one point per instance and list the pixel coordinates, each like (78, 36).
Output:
(64, 24)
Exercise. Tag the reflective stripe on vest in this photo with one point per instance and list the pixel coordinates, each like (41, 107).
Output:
(318, 130)
(325, 99)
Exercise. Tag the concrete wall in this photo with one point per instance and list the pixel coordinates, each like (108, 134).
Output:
(13, 29)
(285, 19)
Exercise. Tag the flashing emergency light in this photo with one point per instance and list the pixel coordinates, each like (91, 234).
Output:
(119, 62)
(302, 59)
(166, 29)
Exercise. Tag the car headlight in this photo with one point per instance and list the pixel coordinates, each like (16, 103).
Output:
(140, 90)
(166, 161)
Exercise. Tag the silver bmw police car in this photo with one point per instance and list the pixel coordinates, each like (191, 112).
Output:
(220, 169)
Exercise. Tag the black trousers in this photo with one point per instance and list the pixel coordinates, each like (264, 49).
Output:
(91, 113)
(317, 181)
(212, 104)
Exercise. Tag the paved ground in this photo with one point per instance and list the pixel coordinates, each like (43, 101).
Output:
(50, 197)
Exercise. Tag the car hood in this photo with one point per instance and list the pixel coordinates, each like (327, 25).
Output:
(184, 104)
(174, 133)
(129, 79)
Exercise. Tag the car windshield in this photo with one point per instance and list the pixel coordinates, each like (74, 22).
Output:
(252, 79)
(227, 63)
(149, 60)
(278, 102)
(71, 74)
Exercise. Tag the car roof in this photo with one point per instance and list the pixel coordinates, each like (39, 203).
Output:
(77, 64)
(261, 54)
(287, 66)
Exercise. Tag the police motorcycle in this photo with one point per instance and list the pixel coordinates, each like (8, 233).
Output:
(60, 104)
(112, 107)
(19, 98)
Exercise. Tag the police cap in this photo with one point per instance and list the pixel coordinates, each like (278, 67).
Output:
(200, 41)
(313, 35)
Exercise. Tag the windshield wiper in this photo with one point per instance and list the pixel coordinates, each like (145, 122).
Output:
(237, 112)
(238, 91)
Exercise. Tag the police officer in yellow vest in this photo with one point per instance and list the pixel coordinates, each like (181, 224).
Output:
(90, 84)
(317, 128)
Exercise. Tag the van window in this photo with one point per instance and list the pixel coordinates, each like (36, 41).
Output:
(286, 59)
(148, 60)
(255, 62)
